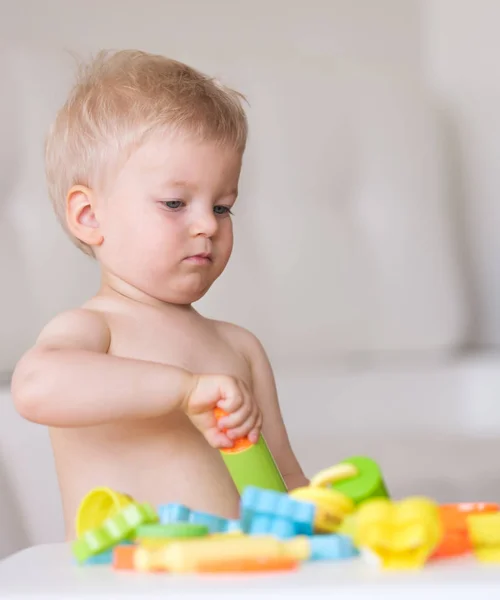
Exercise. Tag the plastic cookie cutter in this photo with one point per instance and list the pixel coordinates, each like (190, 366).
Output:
(484, 532)
(266, 512)
(401, 534)
(157, 536)
(331, 506)
(116, 529)
(251, 464)
(188, 556)
(358, 477)
(456, 539)
(98, 505)
(179, 513)
(332, 547)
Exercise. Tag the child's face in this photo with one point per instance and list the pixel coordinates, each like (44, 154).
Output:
(166, 222)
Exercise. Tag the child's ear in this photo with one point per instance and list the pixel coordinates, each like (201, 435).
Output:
(81, 215)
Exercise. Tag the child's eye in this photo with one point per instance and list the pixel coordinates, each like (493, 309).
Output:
(173, 204)
(222, 210)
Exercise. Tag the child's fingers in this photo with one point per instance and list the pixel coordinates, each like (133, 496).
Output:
(236, 418)
(218, 439)
(233, 398)
(246, 427)
(254, 435)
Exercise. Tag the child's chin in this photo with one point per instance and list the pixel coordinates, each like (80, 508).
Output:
(188, 295)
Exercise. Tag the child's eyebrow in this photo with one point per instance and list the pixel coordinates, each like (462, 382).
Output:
(180, 183)
(177, 183)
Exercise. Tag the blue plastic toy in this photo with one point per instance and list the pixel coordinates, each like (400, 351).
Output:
(178, 513)
(332, 547)
(266, 512)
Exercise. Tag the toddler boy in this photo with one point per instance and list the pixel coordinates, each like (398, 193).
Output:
(143, 162)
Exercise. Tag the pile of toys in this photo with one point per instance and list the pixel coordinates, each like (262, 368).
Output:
(344, 513)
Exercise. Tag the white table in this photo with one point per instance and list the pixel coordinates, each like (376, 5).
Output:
(48, 572)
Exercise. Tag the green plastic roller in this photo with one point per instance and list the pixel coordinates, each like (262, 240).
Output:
(252, 465)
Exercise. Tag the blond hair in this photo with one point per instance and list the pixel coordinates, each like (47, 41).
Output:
(119, 100)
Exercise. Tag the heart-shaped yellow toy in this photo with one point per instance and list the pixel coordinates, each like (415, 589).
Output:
(401, 534)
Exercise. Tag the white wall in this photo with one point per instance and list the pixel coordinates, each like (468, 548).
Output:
(385, 32)
(354, 66)
(461, 54)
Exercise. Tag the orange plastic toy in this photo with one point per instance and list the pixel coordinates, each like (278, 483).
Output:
(246, 565)
(456, 540)
(239, 444)
(123, 558)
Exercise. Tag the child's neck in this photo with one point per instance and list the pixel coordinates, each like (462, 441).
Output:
(111, 285)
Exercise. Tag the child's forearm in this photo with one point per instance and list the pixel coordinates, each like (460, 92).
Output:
(77, 388)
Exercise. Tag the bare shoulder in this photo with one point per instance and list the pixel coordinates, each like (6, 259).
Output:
(242, 340)
(77, 328)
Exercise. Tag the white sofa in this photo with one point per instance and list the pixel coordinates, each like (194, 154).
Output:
(347, 265)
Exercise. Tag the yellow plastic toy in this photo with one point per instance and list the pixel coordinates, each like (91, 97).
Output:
(401, 534)
(98, 505)
(348, 526)
(331, 507)
(187, 556)
(334, 474)
(484, 534)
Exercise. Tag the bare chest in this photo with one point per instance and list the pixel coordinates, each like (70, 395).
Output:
(190, 342)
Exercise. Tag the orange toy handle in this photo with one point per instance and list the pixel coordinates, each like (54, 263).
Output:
(239, 444)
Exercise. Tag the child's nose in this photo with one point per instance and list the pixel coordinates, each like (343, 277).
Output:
(204, 223)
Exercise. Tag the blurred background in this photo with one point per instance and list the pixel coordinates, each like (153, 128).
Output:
(366, 233)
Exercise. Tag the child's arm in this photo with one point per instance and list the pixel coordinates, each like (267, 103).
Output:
(69, 380)
(264, 389)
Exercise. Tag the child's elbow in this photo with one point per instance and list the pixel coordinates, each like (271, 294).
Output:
(30, 388)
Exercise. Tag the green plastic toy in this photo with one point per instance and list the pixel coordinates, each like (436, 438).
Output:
(366, 484)
(252, 465)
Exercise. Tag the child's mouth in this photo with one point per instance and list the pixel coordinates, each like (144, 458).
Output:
(200, 259)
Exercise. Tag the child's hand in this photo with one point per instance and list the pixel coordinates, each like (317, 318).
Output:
(232, 396)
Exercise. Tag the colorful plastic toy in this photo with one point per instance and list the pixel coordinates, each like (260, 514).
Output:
(484, 532)
(188, 556)
(332, 507)
(401, 534)
(348, 526)
(113, 530)
(178, 513)
(358, 477)
(267, 512)
(123, 557)
(332, 547)
(171, 531)
(103, 558)
(331, 475)
(343, 513)
(106, 557)
(156, 536)
(248, 565)
(97, 506)
(251, 464)
(456, 539)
